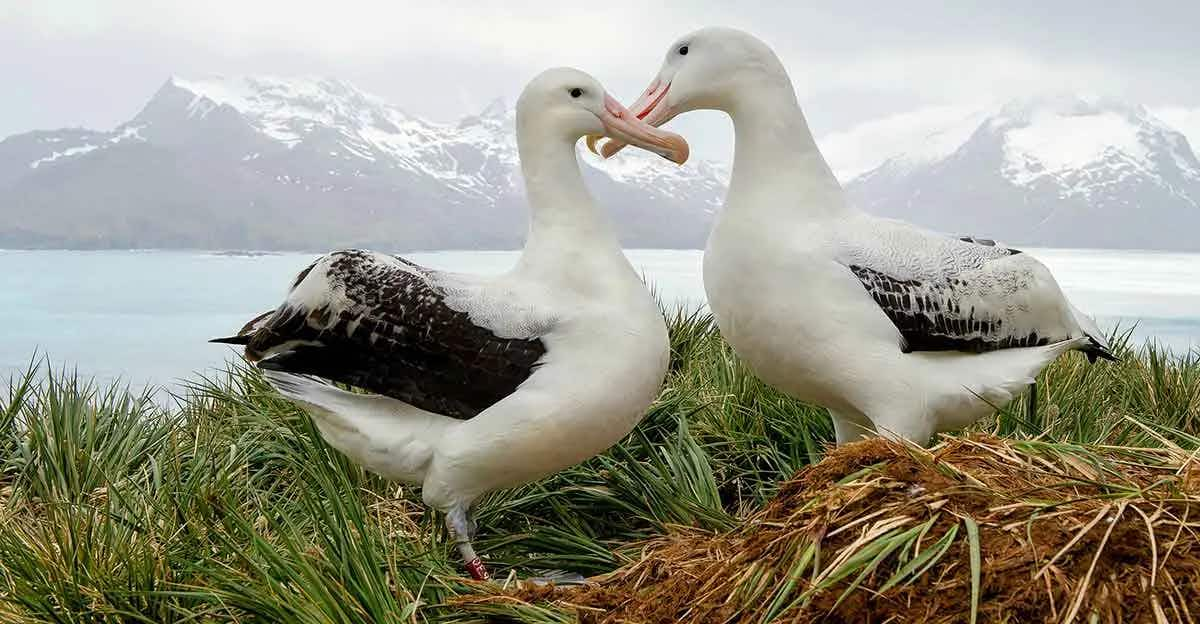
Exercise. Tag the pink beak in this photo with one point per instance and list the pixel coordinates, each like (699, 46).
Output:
(650, 108)
(623, 127)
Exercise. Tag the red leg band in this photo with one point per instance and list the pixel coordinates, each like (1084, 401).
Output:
(477, 571)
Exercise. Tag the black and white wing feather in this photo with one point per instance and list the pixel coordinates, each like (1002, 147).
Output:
(962, 294)
(383, 324)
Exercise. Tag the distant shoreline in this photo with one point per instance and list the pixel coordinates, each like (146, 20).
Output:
(278, 252)
(147, 315)
(251, 253)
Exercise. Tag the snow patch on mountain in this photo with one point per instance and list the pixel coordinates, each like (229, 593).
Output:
(288, 110)
(127, 132)
(70, 151)
(1056, 145)
(276, 163)
(84, 144)
(1185, 120)
(909, 139)
(369, 129)
(640, 168)
(1048, 170)
(940, 143)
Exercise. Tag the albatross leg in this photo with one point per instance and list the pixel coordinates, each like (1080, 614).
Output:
(847, 430)
(1031, 411)
(462, 529)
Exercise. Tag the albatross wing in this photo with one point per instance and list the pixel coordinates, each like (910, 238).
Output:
(388, 326)
(968, 294)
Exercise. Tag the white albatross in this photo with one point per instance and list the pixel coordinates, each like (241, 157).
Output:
(895, 329)
(483, 383)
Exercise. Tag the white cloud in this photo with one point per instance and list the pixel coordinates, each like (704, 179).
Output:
(866, 145)
(1183, 119)
(620, 35)
(440, 60)
(361, 29)
(940, 74)
(444, 60)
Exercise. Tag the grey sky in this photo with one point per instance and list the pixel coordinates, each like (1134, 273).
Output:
(870, 75)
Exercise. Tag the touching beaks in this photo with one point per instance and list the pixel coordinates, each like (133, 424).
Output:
(622, 126)
(650, 108)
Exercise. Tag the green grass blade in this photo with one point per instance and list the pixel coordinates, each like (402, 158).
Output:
(976, 564)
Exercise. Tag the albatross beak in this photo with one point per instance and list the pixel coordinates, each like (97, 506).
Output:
(651, 108)
(621, 126)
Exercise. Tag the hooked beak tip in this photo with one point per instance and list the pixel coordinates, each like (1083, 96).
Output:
(610, 148)
(681, 153)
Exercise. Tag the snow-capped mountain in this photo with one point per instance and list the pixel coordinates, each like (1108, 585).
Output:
(222, 162)
(1056, 171)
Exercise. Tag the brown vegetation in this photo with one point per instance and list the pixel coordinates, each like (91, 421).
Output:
(974, 529)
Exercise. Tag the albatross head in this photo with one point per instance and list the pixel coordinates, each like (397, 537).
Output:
(571, 104)
(711, 68)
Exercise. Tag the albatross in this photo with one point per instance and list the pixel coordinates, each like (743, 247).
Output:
(895, 329)
(482, 383)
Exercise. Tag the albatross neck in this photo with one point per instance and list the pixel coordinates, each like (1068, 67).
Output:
(779, 174)
(563, 219)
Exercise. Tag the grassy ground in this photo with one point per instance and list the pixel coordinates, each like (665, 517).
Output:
(230, 508)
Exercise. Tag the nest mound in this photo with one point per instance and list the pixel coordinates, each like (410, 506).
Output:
(973, 529)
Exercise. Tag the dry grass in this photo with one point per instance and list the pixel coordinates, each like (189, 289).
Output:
(974, 529)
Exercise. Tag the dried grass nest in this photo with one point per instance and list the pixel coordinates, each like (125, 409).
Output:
(974, 529)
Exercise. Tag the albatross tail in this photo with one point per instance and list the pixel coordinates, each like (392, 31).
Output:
(996, 377)
(386, 436)
(1097, 346)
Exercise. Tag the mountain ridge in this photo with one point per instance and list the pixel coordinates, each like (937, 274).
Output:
(274, 164)
(1059, 170)
(270, 163)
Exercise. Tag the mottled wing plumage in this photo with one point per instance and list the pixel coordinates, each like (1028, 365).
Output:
(986, 242)
(931, 316)
(386, 325)
(959, 294)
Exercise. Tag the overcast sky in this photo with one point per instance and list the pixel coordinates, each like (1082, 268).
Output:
(869, 78)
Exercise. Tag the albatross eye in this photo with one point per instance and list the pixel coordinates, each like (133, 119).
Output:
(683, 50)
(576, 92)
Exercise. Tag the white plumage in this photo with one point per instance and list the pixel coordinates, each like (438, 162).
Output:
(895, 329)
(483, 383)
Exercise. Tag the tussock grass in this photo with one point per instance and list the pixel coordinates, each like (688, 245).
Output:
(974, 529)
(227, 506)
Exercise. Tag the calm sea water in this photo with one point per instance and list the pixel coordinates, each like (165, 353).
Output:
(143, 317)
